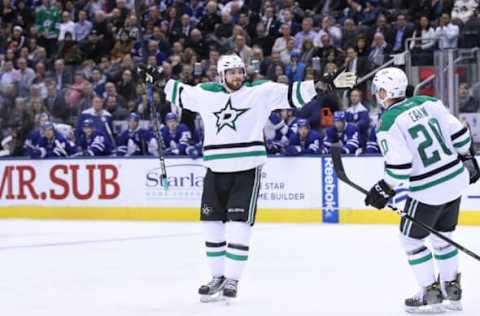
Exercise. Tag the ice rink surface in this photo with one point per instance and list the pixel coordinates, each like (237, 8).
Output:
(60, 268)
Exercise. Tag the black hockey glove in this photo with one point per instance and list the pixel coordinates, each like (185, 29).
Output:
(340, 80)
(470, 162)
(379, 195)
(149, 74)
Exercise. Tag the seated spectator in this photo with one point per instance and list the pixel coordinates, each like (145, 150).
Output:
(447, 33)
(9, 76)
(379, 51)
(136, 141)
(101, 118)
(26, 77)
(281, 42)
(328, 28)
(51, 144)
(306, 33)
(176, 136)
(116, 111)
(75, 92)
(83, 27)
(358, 114)
(469, 99)
(60, 75)
(381, 26)
(361, 46)
(92, 142)
(401, 32)
(295, 70)
(70, 51)
(67, 26)
(242, 49)
(353, 63)
(350, 33)
(342, 132)
(372, 145)
(304, 141)
(370, 13)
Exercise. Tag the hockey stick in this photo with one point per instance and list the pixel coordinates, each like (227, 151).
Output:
(149, 82)
(336, 151)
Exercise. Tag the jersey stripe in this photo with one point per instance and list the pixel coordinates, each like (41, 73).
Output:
(180, 103)
(463, 143)
(403, 166)
(174, 93)
(290, 100)
(435, 171)
(459, 133)
(234, 145)
(235, 155)
(397, 176)
(438, 181)
(299, 94)
(215, 244)
(238, 247)
(420, 260)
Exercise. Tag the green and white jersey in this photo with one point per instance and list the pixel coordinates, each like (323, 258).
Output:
(420, 141)
(234, 121)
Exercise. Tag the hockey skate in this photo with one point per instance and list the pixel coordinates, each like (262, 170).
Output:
(452, 294)
(211, 292)
(230, 290)
(427, 301)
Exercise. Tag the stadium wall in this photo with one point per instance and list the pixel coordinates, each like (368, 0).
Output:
(303, 189)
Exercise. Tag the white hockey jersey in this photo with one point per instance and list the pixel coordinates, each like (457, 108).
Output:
(420, 141)
(234, 121)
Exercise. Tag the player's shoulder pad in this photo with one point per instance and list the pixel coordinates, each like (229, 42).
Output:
(389, 117)
(211, 87)
(255, 83)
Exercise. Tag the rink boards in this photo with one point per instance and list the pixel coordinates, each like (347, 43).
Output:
(303, 189)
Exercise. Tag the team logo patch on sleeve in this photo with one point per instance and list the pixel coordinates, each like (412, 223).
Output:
(228, 116)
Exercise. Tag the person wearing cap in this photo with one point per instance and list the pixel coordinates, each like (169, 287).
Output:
(342, 132)
(295, 70)
(305, 141)
(51, 144)
(177, 136)
(92, 142)
(136, 141)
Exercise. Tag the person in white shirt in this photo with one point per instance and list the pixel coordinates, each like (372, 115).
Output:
(9, 76)
(281, 42)
(328, 27)
(424, 32)
(447, 33)
(67, 26)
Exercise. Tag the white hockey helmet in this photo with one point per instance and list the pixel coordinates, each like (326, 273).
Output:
(226, 62)
(393, 80)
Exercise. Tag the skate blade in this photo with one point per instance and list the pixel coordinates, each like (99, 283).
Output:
(217, 297)
(429, 309)
(452, 305)
(228, 300)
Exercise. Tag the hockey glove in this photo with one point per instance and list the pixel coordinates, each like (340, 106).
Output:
(379, 195)
(149, 74)
(340, 80)
(470, 162)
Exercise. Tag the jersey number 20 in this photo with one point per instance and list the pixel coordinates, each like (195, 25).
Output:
(433, 128)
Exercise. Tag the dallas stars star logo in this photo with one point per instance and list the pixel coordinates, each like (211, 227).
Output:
(227, 116)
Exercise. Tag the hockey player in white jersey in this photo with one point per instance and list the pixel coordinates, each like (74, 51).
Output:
(234, 113)
(426, 146)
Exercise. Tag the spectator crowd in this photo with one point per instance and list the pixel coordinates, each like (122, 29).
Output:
(69, 84)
